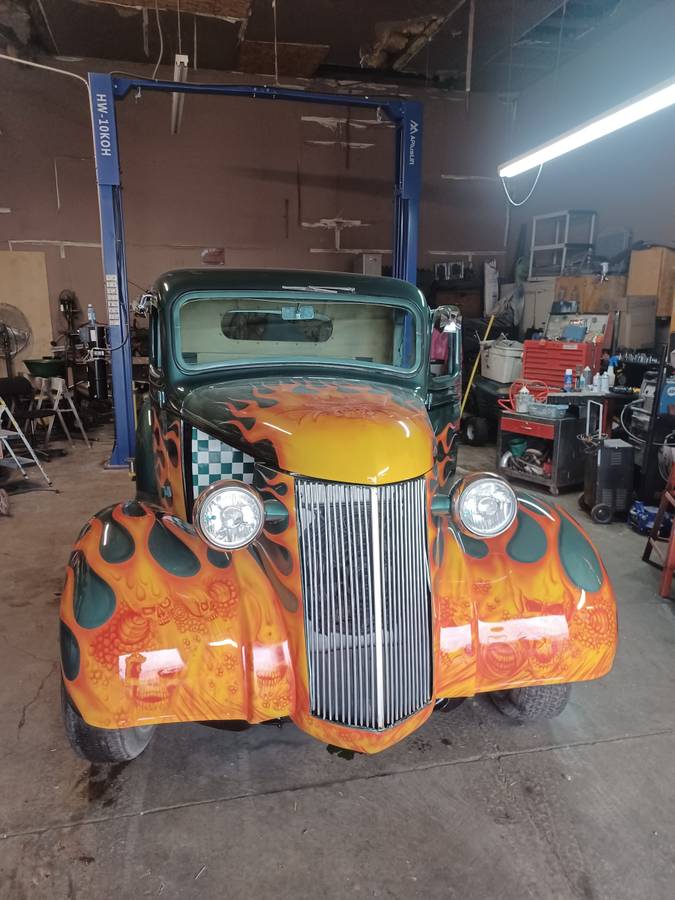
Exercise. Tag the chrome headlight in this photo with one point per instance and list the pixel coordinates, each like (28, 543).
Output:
(485, 505)
(229, 515)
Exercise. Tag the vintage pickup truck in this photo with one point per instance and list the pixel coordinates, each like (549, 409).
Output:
(300, 546)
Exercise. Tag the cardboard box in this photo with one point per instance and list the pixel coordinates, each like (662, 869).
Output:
(637, 323)
(652, 273)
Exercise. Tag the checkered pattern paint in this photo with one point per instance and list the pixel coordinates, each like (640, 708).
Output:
(212, 461)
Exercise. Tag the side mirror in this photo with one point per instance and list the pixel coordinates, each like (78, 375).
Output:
(447, 319)
(144, 302)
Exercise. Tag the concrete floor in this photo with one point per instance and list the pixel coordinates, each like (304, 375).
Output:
(472, 806)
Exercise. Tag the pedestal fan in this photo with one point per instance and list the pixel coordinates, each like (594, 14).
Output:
(15, 335)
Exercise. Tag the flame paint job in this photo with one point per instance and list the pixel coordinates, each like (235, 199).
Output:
(195, 635)
(306, 425)
(444, 417)
(167, 448)
(532, 606)
(446, 452)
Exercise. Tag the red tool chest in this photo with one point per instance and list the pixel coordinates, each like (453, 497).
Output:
(547, 360)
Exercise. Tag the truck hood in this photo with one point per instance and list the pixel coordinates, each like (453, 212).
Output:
(352, 431)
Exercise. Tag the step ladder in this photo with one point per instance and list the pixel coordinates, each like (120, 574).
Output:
(9, 432)
(54, 400)
(663, 550)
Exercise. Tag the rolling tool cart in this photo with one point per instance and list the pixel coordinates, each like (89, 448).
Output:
(552, 456)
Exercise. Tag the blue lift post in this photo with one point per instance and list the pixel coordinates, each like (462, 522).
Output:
(106, 90)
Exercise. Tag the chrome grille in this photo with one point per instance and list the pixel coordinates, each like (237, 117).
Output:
(366, 600)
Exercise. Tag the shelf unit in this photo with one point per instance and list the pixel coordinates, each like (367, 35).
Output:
(567, 231)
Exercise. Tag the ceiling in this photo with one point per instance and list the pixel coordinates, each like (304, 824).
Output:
(514, 41)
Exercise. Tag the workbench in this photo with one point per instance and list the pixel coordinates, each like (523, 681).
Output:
(611, 403)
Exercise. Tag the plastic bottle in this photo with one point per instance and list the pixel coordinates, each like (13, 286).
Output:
(611, 377)
(588, 378)
(91, 314)
(596, 382)
(604, 383)
(567, 384)
(523, 399)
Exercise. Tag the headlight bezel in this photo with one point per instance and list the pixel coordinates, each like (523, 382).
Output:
(461, 492)
(208, 494)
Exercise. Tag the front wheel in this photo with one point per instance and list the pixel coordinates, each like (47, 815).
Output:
(530, 704)
(102, 745)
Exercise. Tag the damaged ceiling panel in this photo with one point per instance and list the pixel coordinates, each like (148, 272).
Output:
(232, 10)
(424, 41)
(18, 31)
(129, 33)
(351, 27)
(397, 42)
(299, 60)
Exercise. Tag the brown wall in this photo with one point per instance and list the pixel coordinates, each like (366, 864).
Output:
(249, 176)
(629, 176)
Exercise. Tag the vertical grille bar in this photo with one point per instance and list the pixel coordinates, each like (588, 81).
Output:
(366, 600)
(378, 621)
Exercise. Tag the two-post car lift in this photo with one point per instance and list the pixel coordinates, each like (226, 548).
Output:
(106, 90)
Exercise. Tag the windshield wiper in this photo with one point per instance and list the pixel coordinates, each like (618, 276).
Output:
(318, 288)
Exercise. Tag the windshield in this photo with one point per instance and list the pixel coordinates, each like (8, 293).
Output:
(215, 331)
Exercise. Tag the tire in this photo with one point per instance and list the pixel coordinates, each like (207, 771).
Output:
(602, 514)
(532, 704)
(4, 502)
(102, 745)
(476, 431)
(447, 704)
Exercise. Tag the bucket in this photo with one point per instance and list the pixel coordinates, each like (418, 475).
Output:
(518, 446)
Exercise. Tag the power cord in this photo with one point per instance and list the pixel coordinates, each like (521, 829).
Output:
(522, 202)
(161, 41)
(34, 65)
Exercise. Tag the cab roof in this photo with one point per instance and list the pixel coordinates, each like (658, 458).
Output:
(174, 284)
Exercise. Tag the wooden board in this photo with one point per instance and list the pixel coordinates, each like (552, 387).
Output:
(589, 290)
(23, 283)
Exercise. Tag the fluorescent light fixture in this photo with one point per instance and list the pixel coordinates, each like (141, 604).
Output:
(180, 72)
(653, 100)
